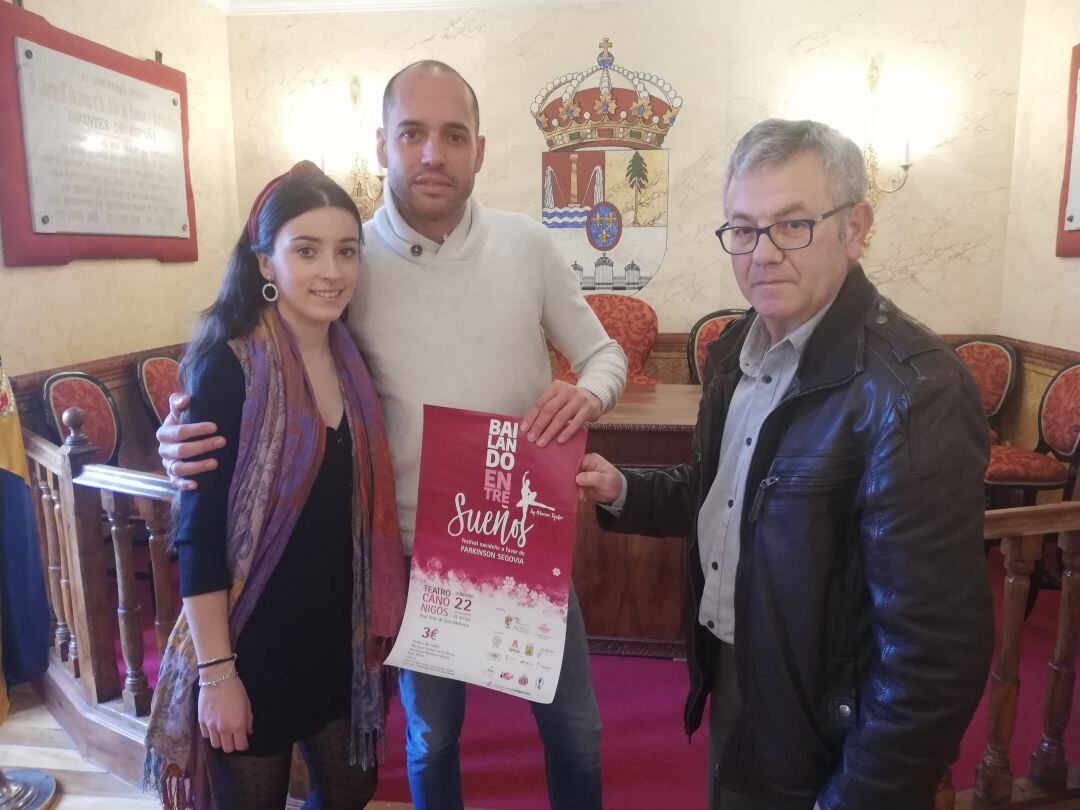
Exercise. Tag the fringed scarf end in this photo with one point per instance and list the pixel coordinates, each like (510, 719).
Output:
(168, 781)
(367, 748)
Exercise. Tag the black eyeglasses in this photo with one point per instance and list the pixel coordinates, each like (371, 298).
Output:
(791, 234)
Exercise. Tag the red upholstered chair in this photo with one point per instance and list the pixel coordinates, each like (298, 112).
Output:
(993, 364)
(704, 332)
(631, 323)
(1052, 465)
(157, 376)
(68, 389)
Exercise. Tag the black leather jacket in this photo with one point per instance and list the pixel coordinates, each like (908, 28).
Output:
(864, 622)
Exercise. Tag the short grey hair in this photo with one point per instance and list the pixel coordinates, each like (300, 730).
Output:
(776, 140)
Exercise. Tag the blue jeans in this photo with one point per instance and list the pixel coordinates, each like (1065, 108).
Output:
(569, 729)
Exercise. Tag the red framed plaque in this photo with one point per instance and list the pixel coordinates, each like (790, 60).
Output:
(103, 180)
(1068, 230)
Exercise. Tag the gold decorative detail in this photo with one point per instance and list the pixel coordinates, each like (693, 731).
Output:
(570, 111)
(605, 47)
(366, 188)
(606, 106)
(879, 183)
(642, 109)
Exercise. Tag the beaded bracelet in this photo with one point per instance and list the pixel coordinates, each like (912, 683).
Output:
(213, 661)
(230, 674)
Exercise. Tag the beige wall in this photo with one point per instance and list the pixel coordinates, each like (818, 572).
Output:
(1043, 290)
(54, 316)
(977, 216)
(939, 245)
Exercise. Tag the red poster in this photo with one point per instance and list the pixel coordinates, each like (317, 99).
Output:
(492, 552)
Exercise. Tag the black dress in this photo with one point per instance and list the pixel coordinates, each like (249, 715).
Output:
(294, 655)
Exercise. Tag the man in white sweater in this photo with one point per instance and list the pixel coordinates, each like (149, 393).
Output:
(453, 307)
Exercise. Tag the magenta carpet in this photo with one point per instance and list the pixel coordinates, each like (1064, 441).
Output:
(647, 760)
(648, 763)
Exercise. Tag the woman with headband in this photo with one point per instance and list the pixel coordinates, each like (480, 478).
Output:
(290, 555)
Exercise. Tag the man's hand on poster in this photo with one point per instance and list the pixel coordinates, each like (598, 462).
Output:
(559, 412)
(598, 479)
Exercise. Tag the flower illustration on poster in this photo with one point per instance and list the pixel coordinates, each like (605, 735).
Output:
(604, 176)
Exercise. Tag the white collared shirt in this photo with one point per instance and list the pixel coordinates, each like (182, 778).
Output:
(767, 375)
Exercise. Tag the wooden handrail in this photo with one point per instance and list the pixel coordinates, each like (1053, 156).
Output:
(126, 482)
(41, 450)
(1023, 521)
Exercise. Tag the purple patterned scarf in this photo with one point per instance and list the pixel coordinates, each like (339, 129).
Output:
(281, 423)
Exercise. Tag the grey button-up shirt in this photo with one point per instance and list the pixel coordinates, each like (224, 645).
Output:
(767, 375)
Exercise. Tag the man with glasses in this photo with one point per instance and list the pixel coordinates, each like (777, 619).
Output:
(842, 619)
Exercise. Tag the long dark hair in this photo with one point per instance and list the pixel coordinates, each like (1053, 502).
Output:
(240, 302)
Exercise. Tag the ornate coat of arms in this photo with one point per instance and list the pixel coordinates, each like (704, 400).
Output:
(605, 176)
(7, 395)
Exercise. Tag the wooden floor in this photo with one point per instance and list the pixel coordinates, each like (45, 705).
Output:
(31, 738)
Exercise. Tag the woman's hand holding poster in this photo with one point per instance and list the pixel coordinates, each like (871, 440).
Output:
(494, 542)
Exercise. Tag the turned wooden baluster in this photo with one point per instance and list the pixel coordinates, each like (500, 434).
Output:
(1048, 767)
(65, 573)
(136, 694)
(52, 539)
(83, 561)
(993, 778)
(157, 515)
(36, 474)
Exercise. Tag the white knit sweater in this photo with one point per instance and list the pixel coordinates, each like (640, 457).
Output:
(463, 325)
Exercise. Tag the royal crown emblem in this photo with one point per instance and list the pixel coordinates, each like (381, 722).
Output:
(605, 174)
(606, 105)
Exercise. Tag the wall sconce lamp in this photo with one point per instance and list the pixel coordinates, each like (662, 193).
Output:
(890, 182)
(365, 186)
(879, 182)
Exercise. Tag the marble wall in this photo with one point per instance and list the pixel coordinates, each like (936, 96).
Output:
(1043, 290)
(981, 99)
(54, 316)
(939, 242)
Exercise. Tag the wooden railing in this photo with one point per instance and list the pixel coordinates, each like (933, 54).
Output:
(84, 509)
(87, 514)
(1022, 532)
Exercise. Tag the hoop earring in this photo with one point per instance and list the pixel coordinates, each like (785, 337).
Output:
(269, 292)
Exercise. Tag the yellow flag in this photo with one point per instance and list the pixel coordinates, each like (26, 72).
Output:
(12, 455)
(8, 451)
